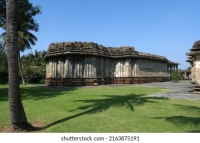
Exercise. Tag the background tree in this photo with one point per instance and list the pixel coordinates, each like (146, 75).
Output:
(26, 12)
(26, 23)
(17, 113)
(25, 40)
(34, 66)
(2, 12)
(3, 65)
(189, 68)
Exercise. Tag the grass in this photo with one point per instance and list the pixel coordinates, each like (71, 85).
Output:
(103, 109)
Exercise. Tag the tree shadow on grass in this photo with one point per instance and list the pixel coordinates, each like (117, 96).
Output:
(99, 105)
(91, 105)
(183, 120)
(37, 93)
(189, 108)
(127, 101)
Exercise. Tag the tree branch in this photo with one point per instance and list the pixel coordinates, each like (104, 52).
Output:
(2, 24)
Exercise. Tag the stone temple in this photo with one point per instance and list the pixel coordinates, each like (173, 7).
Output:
(88, 63)
(194, 60)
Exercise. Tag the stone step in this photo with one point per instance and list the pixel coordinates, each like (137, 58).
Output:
(196, 92)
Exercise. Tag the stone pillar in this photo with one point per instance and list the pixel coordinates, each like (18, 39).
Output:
(170, 70)
(120, 68)
(117, 69)
(54, 67)
(106, 67)
(101, 70)
(86, 68)
(197, 69)
(185, 75)
(66, 72)
(70, 68)
(77, 70)
(95, 67)
(49, 68)
(136, 69)
(61, 68)
(89, 70)
(192, 74)
(92, 68)
(57, 69)
(127, 68)
(133, 68)
(81, 69)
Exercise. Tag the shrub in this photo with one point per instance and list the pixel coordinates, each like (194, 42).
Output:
(3, 77)
(34, 74)
(176, 75)
(33, 78)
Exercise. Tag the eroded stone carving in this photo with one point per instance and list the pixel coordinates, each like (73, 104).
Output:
(96, 49)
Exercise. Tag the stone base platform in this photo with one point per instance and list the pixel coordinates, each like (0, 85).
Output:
(101, 81)
(195, 89)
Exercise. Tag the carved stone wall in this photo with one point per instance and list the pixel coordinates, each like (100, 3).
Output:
(194, 60)
(98, 67)
(82, 63)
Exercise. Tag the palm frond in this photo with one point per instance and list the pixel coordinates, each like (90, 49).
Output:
(25, 38)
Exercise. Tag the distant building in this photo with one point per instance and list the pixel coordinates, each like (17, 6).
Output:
(186, 74)
(88, 63)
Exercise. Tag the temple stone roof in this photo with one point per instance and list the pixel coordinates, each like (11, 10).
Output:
(196, 45)
(91, 48)
(195, 50)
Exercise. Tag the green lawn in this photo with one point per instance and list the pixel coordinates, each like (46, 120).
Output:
(103, 109)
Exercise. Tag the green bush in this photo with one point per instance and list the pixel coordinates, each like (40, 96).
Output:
(176, 75)
(33, 78)
(3, 77)
(34, 75)
(3, 65)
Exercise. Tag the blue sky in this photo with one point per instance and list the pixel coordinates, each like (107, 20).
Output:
(163, 27)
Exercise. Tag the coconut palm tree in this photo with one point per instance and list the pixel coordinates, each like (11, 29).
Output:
(25, 40)
(17, 113)
(18, 16)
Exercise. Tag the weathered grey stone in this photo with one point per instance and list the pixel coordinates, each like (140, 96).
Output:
(194, 60)
(74, 60)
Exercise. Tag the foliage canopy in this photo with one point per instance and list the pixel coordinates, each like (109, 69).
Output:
(3, 65)
(26, 12)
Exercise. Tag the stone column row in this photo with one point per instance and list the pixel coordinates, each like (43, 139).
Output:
(98, 67)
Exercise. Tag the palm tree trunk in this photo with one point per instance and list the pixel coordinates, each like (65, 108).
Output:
(17, 113)
(21, 70)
